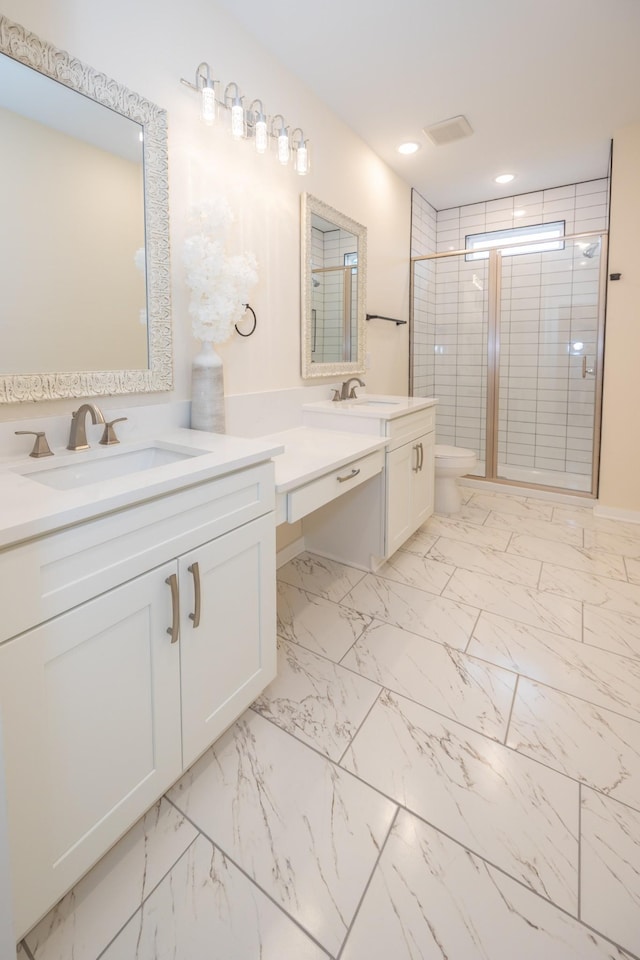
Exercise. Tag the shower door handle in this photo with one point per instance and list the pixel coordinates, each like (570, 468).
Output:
(586, 369)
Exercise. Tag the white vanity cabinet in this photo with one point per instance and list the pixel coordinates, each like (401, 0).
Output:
(103, 708)
(410, 477)
(408, 424)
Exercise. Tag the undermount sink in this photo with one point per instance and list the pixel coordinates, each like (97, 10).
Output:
(107, 465)
(364, 401)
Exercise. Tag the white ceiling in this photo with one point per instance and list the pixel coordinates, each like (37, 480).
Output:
(544, 83)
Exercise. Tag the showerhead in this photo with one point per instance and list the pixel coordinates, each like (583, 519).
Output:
(315, 281)
(590, 251)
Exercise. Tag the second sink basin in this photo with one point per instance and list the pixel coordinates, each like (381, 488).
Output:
(107, 466)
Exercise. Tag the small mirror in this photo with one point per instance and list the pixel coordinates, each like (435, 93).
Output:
(334, 256)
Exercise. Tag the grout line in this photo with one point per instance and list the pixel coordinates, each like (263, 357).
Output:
(25, 948)
(368, 883)
(360, 726)
(513, 703)
(162, 879)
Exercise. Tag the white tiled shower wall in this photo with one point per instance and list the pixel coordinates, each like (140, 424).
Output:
(328, 249)
(549, 302)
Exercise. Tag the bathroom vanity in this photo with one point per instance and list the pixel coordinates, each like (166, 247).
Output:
(408, 426)
(138, 623)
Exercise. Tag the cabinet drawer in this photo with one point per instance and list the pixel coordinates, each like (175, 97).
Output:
(40, 579)
(410, 427)
(312, 495)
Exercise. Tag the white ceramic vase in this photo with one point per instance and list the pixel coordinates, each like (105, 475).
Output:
(207, 391)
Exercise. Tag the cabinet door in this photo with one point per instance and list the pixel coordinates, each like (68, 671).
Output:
(424, 481)
(91, 710)
(228, 659)
(401, 471)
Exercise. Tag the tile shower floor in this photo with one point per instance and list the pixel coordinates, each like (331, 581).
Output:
(447, 766)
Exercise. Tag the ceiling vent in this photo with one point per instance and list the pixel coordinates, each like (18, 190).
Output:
(449, 130)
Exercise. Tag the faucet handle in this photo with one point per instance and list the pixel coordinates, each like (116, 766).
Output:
(352, 394)
(40, 446)
(336, 395)
(109, 434)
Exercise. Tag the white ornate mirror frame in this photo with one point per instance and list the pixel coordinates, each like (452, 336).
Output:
(311, 205)
(30, 50)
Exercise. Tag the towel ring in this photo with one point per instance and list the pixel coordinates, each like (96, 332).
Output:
(248, 306)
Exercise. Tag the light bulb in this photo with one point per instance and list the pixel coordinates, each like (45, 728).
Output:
(302, 160)
(261, 136)
(208, 109)
(237, 121)
(283, 148)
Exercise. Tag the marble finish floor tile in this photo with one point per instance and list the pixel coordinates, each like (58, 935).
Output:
(598, 591)
(611, 631)
(316, 700)
(207, 908)
(462, 688)
(86, 919)
(626, 544)
(426, 573)
(322, 577)
(471, 513)
(577, 558)
(585, 742)
(633, 569)
(508, 809)
(560, 662)
(512, 505)
(421, 542)
(610, 869)
(524, 604)
(474, 533)
(307, 832)
(317, 624)
(584, 517)
(469, 556)
(429, 900)
(426, 614)
(558, 532)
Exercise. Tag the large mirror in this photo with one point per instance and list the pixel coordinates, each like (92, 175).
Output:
(334, 270)
(84, 233)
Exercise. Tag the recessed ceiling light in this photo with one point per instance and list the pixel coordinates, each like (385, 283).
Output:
(505, 178)
(410, 147)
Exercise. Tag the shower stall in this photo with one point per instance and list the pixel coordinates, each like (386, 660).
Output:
(508, 335)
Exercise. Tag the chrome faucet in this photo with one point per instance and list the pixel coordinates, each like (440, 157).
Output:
(78, 434)
(350, 394)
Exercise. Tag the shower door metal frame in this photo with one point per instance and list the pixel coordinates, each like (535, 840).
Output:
(493, 359)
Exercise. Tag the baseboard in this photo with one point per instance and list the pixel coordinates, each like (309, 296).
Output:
(616, 513)
(289, 552)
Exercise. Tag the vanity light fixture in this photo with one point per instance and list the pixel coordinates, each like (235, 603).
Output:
(259, 120)
(206, 85)
(249, 123)
(237, 111)
(301, 163)
(282, 136)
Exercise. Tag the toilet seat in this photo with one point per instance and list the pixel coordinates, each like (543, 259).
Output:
(450, 456)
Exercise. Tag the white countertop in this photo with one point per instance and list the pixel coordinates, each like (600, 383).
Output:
(373, 406)
(30, 509)
(310, 453)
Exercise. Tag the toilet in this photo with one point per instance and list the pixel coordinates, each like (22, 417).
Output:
(451, 463)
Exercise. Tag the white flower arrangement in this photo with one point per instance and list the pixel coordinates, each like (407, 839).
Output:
(219, 284)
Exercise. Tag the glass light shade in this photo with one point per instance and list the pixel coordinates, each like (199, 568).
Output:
(261, 136)
(237, 121)
(283, 148)
(302, 160)
(208, 107)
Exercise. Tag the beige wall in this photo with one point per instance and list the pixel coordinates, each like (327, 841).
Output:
(620, 461)
(71, 294)
(148, 46)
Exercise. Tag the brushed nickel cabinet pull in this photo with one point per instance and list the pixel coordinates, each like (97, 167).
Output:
(421, 461)
(417, 450)
(194, 569)
(174, 629)
(350, 476)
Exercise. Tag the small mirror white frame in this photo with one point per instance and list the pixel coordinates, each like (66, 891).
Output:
(310, 368)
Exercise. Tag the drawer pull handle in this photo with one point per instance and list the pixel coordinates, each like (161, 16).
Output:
(421, 463)
(349, 476)
(195, 616)
(174, 629)
(416, 447)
